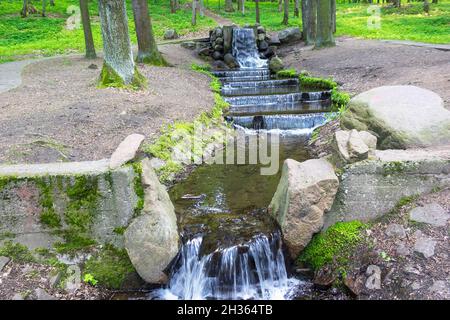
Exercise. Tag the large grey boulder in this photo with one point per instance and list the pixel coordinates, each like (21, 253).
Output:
(230, 61)
(151, 240)
(305, 192)
(401, 116)
(290, 35)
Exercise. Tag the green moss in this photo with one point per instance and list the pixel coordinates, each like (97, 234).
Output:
(395, 167)
(109, 267)
(110, 79)
(333, 245)
(73, 242)
(308, 82)
(17, 252)
(138, 188)
(153, 59)
(120, 230)
(50, 218)
(287, 74)
(6, 235)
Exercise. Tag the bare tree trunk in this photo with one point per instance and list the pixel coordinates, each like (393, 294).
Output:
(118, 69)
(280, 5)
(202, 8)
(44, 5)
(324, 33)
(333, 15)
(24, 11)
(296, 8)
(229, 6)
(243, 6)
(173, 7)
(257, 11)
(194, 12)
(309, 18)
(286, 13)
(147, 47)
(88, 40)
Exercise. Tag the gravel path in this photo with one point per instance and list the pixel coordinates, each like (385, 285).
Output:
(58, 114)
(360, 65)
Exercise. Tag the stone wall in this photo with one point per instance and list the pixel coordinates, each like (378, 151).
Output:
(40, 203)
(371, 188)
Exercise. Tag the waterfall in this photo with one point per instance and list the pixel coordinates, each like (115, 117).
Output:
(253, 270)
(308, 122)
(245, 50)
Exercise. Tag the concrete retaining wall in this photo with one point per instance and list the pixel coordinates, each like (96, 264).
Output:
(371, 188)
(38, 203)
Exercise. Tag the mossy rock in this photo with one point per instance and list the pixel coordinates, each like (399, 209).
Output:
(333, 246)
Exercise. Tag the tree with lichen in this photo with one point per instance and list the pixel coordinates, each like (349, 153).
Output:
(88, 39)
(118, 69)
(147, 47)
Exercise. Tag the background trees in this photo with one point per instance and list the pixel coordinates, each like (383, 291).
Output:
(319, 22)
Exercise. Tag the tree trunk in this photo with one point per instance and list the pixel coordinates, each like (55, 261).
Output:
(173, 7)
(296, 8)
(286, 13)
(24, 11)
(309, 17)
(243, 7)
(229, 6)
(147, 47)
(118, 69)
(324, 33)
(333, 16)
(88, 40)
(257, 11)
(201, 8)
(194, 12)
(44, 4)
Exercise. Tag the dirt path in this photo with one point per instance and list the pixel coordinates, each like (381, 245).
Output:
(58, 114)
(360, 65)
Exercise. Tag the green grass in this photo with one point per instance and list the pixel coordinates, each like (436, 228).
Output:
(35, 35)
(407, 23)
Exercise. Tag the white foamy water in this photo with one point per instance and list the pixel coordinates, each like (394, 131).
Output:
(255, 270)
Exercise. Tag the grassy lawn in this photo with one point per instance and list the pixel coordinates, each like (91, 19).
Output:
(36, 35)
(407, 23)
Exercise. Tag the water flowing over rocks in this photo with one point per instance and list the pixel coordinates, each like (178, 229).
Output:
(151, 239)
(401, 116)
(305, 193)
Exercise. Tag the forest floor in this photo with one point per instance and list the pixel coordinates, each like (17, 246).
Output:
(359, 65)
(58, 114)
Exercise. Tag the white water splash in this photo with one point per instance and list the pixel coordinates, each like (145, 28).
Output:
(255, 270)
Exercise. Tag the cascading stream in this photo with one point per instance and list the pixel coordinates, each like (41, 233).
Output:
(233, 248)
(253, 270)
(245, 50)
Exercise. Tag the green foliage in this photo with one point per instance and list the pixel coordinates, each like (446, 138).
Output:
(36, 35)
(17, 252)
(109, 267)
(287, 74)
(50, 218)
(308, 82)
(406, 23)
(73, 242)
(333, 245)
(89, 278)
